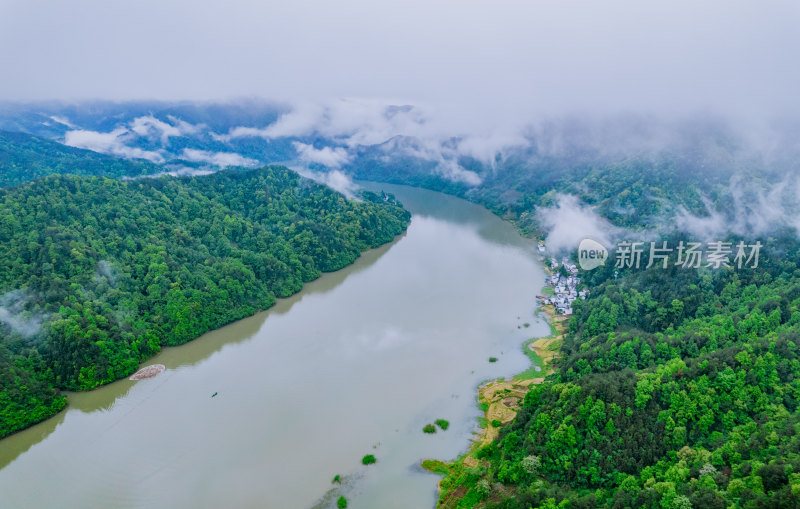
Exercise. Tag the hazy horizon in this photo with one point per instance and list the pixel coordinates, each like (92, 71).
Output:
(469, 61)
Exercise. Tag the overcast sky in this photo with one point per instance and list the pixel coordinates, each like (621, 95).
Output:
(507, 56)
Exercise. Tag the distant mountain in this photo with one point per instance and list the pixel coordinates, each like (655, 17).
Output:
(675, 385)
(703, 174)
(53, 119)
(180, 134)
(24, 157)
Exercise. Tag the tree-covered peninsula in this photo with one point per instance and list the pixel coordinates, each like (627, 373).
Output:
(99, 274)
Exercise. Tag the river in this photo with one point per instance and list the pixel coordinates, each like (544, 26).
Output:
(357, 363)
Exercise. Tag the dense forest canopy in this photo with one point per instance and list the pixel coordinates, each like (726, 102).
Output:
(98, 274)
(24, 157)
(644, 191)
(675, 387)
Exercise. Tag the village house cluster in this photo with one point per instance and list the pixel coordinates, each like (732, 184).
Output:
(565, 288)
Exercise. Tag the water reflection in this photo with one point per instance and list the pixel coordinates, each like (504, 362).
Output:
(356, 364)
(424, 203)
(21, 441)
(188, 354)
(206, 345)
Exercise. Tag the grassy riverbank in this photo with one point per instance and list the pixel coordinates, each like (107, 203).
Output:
(500, 401)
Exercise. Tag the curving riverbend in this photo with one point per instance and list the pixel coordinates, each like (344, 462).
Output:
(354, 364)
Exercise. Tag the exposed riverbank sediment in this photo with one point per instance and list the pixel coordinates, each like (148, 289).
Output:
(500, 401)
(148, 372)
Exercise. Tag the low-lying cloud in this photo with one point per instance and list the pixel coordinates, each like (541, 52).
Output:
(397, 129)
(118, 141)
(63, 121)
(569, 221)
(221, 159)
(335, 179)
(332, 157)
(353, 122)
(111, 143)
(755, 209)
(105, 270)
(151, 127)
(14, 315)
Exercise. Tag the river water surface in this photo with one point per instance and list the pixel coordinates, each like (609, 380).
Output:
(355, 364)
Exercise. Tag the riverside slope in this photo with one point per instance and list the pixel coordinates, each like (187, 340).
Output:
(354, 364)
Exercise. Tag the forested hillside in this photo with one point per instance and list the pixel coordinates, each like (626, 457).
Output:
(632, 190)
(675, 388)
(98, 274)
(24, 157)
